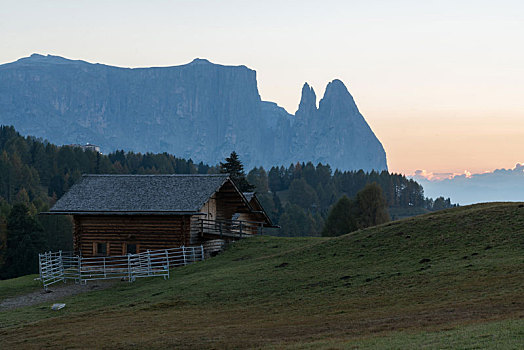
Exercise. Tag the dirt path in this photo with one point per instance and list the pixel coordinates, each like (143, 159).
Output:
(54, 293)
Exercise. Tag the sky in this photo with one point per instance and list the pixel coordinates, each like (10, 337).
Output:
(441, 83)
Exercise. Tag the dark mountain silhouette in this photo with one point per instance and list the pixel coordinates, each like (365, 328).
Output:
(198, 110)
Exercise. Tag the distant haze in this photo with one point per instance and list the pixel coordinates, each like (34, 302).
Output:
(498, 186)
(440, 83)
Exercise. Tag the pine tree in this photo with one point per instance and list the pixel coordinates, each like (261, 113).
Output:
(302, 194)
(295, 222)
(373, 209)
(274, 179)
(24, 242)
(233, 166)
(342, 218)
(368, 209)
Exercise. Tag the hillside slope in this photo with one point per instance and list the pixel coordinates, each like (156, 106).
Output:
(198, 110)
(438, 280)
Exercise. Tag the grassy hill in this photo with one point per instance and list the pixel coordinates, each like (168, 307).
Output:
(453, 278)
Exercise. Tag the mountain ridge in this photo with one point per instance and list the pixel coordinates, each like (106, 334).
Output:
(198, 110)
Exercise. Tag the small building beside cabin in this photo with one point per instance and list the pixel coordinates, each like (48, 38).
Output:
(121, 214)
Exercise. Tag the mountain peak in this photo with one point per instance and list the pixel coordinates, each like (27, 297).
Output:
(308, 101)
(47, 59)
(337, 94)
(336, 88)
(200, 61)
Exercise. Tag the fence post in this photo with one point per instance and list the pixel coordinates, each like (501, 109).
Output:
(167, 260)
(220, 229)
(40, 266)
(149, 273)
(241, 229)
(79, 269)
(184, 254)
(202, 251)
(129, 266)
(105, 275)
(61, 265)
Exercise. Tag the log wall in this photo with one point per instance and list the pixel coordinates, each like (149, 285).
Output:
(145, 231)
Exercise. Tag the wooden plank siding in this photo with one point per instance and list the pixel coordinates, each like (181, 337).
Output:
(145, 231)
(195, 233)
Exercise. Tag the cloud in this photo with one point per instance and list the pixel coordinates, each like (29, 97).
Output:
(466, 188)
(423, 174)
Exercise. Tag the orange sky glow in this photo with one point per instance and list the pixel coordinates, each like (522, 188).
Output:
(441, 83)
(455, 145)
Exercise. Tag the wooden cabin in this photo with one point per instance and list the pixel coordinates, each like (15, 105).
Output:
(121, 214)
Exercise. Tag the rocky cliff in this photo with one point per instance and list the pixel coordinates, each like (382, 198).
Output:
(199, 110)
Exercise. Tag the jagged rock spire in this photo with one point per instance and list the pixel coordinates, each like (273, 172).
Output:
(308, 101)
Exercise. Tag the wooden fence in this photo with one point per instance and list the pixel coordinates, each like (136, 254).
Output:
(61, 266)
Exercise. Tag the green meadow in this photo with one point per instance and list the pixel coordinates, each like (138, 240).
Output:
(448, 279)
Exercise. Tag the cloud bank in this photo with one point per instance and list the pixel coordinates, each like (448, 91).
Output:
(500, 185)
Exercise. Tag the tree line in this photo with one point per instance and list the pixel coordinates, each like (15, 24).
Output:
(35, 173)
(300, 196)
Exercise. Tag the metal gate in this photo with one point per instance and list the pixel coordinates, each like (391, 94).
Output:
(60, 266)
(51, 268)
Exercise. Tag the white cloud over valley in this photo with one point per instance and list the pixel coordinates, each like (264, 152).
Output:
(467, 188)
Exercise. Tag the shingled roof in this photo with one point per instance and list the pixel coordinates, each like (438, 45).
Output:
(134, 194)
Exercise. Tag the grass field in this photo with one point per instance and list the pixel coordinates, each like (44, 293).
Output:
(18, 286)
(450, 279)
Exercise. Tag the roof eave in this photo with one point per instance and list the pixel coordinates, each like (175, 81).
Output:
(122, 213)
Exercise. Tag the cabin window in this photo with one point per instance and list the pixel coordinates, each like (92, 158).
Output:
(131, 249)
(101, 249)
